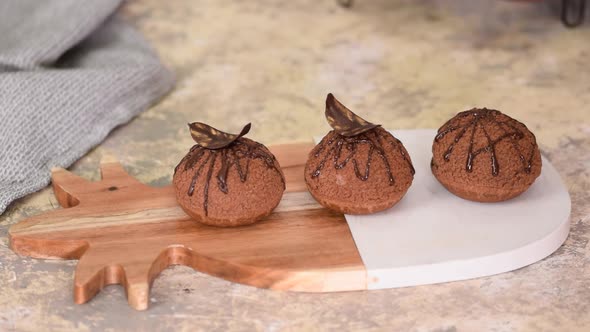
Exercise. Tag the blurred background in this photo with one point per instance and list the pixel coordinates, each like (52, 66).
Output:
(406, 64)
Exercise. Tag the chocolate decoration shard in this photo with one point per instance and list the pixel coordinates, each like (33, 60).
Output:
(343, 120)
(211, 138)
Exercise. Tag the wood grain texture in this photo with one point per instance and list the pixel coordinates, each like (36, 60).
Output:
(125, 232)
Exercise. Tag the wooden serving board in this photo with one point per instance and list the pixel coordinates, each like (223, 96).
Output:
(125, 232)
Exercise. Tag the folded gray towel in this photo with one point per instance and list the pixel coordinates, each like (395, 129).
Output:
(69, 73)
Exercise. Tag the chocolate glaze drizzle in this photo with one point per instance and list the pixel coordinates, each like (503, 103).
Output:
(480, 119)
(337, 143)
(237, 155)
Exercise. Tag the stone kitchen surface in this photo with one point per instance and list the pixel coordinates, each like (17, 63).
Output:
(406, 64)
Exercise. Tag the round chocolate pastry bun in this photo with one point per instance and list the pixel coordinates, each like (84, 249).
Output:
(358, 167)
(484, 155)
(227, 180)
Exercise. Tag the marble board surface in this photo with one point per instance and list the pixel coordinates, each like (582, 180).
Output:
(433, 236)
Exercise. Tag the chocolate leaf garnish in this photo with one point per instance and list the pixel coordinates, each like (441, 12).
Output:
(211, 138)
(343, 120)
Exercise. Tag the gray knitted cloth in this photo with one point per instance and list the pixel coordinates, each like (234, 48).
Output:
(69, 73)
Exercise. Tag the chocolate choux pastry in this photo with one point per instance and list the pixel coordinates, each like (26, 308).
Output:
(226, 179)
(358, 167)
(484, 155)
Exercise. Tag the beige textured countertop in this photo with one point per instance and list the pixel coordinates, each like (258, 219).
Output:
(406, 64)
